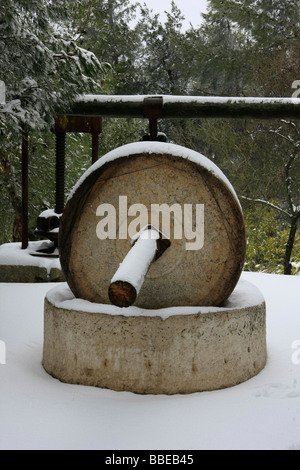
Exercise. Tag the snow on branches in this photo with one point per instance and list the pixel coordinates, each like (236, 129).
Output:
(40, 62)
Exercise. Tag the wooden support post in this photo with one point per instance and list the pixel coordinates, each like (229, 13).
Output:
(60, 172)
(153, 111)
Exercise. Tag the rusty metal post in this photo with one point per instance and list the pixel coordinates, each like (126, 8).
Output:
(95, 129)
(153, 107)
(60, 171)
(95, 146)
(25, 157)
(79, 124)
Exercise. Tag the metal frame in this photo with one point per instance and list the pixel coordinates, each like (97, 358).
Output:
(63, 124)
(88, 111)
(187, 107)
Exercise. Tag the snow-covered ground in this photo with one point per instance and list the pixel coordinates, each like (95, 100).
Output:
(39, 412)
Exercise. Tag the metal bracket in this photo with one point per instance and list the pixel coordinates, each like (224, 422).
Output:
(83, 124)
(153, 110)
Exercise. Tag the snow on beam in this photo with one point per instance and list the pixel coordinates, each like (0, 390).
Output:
(188, 107)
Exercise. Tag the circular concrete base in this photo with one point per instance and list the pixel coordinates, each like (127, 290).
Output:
(169, 351)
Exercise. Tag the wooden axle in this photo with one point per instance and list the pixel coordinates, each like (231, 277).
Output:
(147, 247)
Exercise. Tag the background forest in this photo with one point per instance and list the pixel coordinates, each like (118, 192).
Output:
(51, 51)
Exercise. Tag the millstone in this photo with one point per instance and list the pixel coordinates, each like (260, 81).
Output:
(152, 174)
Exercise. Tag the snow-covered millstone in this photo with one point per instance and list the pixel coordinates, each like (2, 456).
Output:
(195, 325)
(205, 259)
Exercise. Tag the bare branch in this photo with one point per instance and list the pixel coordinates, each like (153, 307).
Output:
(269, 204)
(287, 138)
(288, 180)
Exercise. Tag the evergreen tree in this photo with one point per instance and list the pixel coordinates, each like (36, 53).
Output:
(44, 70)
(41, 64)
(252, 48)
(267, 23)
(163, 54)
(252, 42)
(221, 66)
(106, 27)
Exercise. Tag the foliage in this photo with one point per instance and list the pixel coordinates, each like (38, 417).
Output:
(252, 48)
(267, 234)
(44, 70)
(163, 52)
(105, 26)
(41, 64)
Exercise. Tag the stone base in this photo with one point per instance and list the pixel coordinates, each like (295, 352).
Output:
(29, 274)
(170, 351)
(24, 266)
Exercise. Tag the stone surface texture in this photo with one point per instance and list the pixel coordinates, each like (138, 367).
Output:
(148, 355)
(179, 277)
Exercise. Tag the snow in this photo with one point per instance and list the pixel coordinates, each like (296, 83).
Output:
(11, 254)
(2, 92)
(220, 100)
(244, 295)
(110, 98)
(202, 100)
(48, 213)
(159, 148)
(39, 412)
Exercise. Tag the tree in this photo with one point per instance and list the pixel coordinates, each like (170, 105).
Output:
(44, 70)
(221, 67)
(44, 67)
(289, 202)
(106, 27)
(252, 47)
(163, 53)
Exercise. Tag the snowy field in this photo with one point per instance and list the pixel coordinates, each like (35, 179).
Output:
(39, 412)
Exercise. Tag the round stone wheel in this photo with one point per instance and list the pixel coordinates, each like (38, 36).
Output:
(198, 272)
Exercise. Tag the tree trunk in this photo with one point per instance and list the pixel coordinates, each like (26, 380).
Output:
(289, 246)
(14, 197)
(18, 227)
